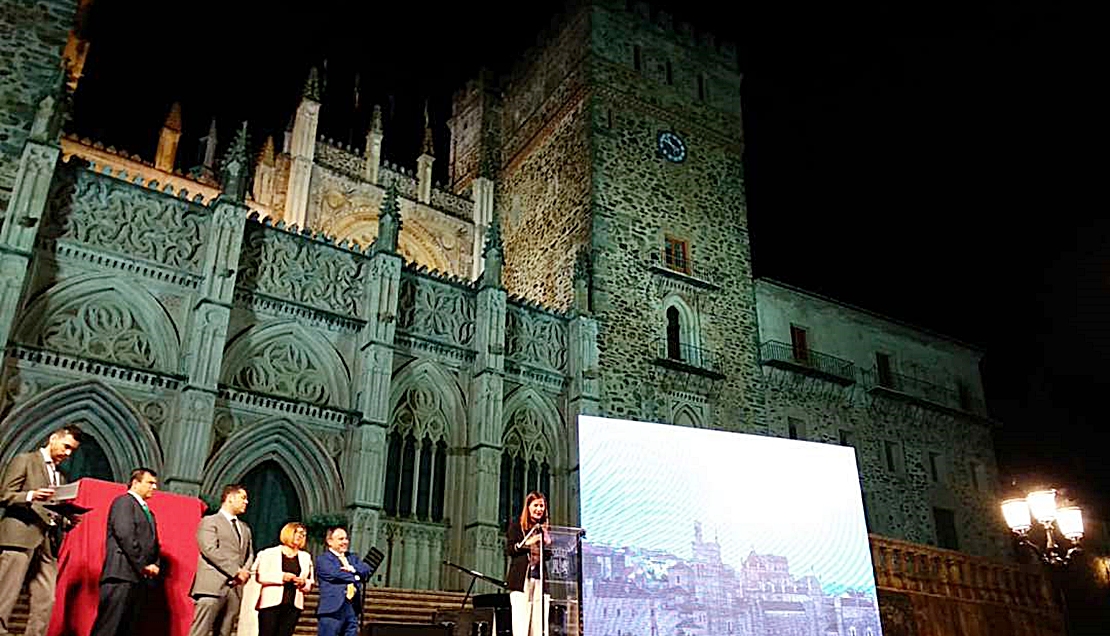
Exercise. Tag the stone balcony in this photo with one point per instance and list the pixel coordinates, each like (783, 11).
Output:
(807, 362)
(915, 390)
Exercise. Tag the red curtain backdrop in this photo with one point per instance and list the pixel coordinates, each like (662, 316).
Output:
(168, 609)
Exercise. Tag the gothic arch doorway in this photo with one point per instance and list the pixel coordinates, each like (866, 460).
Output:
(118, 438)
(273, 502)
(89, 460)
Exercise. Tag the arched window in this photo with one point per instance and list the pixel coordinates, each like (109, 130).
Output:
(525, 463)
(416, 457)
(674, 337)
(681, 327)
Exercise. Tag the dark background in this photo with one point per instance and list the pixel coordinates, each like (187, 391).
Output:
(929, 161)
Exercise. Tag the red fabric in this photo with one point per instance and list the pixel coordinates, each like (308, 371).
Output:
(168, 609)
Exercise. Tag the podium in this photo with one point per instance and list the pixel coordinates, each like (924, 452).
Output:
(564, 581)
(168, 610)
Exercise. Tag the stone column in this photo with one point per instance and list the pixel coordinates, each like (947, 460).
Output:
(190, 436)
(364, 461)
(302, 148)
(373, 152)
(20, 225)
(584, 398)
(482, 538)
(483, 212)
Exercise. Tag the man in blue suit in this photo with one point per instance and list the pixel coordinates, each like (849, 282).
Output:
(340, 575)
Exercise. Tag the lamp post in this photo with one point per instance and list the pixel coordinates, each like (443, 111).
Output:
(1061, 527)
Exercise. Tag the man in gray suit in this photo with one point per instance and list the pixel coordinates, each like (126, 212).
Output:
(29, 532)
(224, 565)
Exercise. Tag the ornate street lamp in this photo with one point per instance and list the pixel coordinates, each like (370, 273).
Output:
(1062, 527)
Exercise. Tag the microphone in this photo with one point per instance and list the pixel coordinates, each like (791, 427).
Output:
(528, 536)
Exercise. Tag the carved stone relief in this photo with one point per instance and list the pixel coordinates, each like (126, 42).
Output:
(284, 367)
(114, 216)
(536, 339)
(439, 311)
(302, 270)
(101, 328)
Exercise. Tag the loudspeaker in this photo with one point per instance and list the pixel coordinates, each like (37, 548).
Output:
(404, 629)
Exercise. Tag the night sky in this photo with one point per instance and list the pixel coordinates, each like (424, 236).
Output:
(929, 161)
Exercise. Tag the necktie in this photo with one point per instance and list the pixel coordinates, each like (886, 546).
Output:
(235, 524)
(52, 473)
(149, 515)
(350, 586)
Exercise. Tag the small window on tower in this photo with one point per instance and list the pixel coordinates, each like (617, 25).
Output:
(701, 87)
(670, 73)
(637, 57)
(676, 255)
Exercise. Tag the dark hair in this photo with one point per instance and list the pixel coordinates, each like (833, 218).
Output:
(331, 530)
(69, 429)
(525, 518)
(230, 490)
(137, 474)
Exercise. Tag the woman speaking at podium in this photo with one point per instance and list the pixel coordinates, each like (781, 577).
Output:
(525, 540)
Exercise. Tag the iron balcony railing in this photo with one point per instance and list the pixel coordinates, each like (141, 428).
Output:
(920, 389)
(782, 354)
(686, 355)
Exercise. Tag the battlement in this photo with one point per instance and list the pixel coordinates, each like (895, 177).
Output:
(134, 169)
(485, 83)
(682, 32)
(639, 15)
(201, 195)
(327, 240)
(345, 159)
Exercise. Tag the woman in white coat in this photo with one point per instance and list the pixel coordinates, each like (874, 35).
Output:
(274, 595)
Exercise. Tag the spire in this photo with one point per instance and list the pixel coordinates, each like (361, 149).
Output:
(166, 154)
(266, 157)
(389, 221)
(208, 146)
(173, 118)
(54, 107)
(493, 253)
(312, 86)
(264, 174)
(376, 122)
(234, 171)
(428, 147)
(373, 152)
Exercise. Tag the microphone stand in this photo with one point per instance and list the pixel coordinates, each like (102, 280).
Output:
(475, 575)
(543, 581)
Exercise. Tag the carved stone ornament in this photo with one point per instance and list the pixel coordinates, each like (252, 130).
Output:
(440, 311)
(114, 216)
(284, 367)
(536, 339)
(420, 412)
(301, 270)
(100, 328)
(525, 437)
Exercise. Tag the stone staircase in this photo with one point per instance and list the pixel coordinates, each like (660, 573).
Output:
(383, 605)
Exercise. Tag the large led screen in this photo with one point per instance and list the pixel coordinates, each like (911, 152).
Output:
(692, 532)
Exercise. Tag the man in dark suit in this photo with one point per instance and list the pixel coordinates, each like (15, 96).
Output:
(29, 531)
(131, 557)
(340, 575)
(223, 567)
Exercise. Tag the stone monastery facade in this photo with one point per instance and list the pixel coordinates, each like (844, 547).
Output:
(348, 338)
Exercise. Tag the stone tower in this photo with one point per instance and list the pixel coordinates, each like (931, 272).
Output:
(32, 58)
(618, 162)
